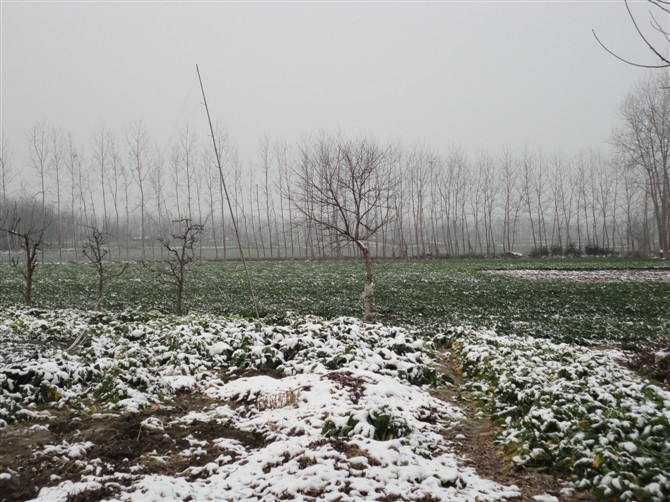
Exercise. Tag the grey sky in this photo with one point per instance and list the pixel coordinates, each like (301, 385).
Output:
(482, 75)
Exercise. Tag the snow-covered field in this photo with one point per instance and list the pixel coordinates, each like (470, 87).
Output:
(155, 407)
(608, 276)
(570, 409)
(337, 410)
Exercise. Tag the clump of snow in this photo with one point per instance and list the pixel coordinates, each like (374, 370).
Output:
(308, 465)
(66, 451)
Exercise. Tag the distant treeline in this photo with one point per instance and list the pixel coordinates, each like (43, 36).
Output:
(443, 203)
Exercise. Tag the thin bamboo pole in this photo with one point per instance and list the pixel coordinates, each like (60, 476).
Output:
(225, 190)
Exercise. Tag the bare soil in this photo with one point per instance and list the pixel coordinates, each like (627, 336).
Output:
(123, 445)
(120, 442)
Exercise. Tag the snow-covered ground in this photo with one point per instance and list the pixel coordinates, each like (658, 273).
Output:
(571, 409)
(305, 408)
(618, 275)
(341, 408)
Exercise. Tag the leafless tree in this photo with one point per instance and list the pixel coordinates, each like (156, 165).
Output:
(175, 174)
(116, 169)
(6, 170)
(180, 250)
(73, 163)
(156, 182)
(266, 163)
(557, 191)
(56, 167)
(198, 181)
(187, 164)
(27, 222)
(137, 140)
(228, 154)
(38, 144)
(100, 144)
(490, 192)
(416, 168)
(654, 37)
(96, 250)
(512, 198)
(227, 151)
(643, 141)
(350, 179)
(210, 181)
(398, 199)
(6, 177)
(282, 155)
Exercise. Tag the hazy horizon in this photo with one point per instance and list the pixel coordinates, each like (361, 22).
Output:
(477, 74)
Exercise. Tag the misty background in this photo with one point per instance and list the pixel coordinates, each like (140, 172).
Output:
(447, 83)
(479, 74)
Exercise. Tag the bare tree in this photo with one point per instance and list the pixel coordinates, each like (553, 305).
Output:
(175, 162)
(73, 165)
(282, 155)
(56, 168)
(6, 177)
(28, 223)
(266, 165)
(187, 164)
(38, 144)
(643, 141)
(6, 171)
(210, 180)
(180, 250)
(101, 158)
(156, 182)
(227, 152)
(490, 192)
(137, 140)
(114, 177)
(512, 197)
(95, 250)
(350, 179)
(415, 165)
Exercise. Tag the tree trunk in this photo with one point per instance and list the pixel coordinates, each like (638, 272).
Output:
(368, 292)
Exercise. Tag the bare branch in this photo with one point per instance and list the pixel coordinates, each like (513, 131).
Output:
(343, 188)
(180, 252)
(665, 62)
(95, 250)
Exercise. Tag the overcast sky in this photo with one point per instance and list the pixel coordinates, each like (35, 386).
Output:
(479, 74)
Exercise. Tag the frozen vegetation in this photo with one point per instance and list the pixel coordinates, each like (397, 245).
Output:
(344, 416)
(569, 409)
(327, 407)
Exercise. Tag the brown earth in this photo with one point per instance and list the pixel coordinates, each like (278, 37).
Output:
(121, 442)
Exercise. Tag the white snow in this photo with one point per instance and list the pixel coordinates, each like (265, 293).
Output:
(342, 420)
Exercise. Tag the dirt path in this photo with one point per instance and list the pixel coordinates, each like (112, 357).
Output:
(474, 438)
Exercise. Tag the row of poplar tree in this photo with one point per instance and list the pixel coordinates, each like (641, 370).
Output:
(435, 203)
